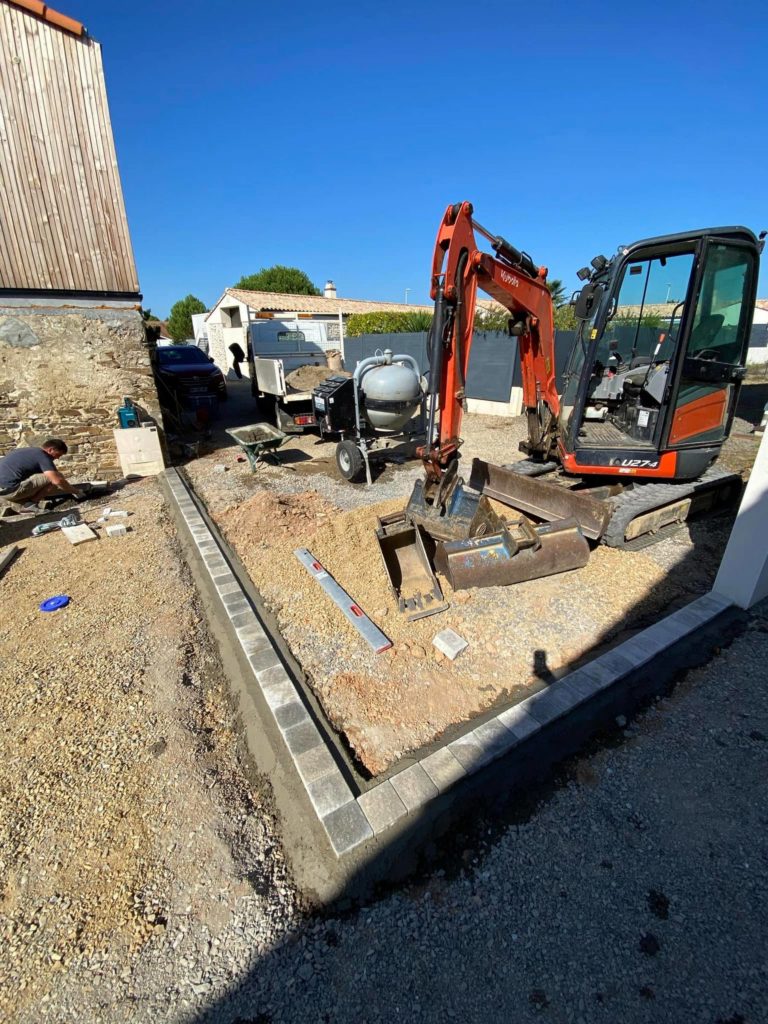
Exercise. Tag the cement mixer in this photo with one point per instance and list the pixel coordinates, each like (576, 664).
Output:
(378, 412)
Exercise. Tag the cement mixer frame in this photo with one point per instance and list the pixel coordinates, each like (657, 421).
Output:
(339, 406)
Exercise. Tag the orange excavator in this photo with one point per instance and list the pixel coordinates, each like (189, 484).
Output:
(647, 396)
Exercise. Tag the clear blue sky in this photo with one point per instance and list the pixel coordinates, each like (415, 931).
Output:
(331, 136)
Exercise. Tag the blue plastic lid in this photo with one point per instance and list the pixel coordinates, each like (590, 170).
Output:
(53, 604)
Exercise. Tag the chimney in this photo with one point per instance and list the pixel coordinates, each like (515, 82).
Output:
(329, 291)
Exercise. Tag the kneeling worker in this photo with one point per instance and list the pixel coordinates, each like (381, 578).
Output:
(28, 475)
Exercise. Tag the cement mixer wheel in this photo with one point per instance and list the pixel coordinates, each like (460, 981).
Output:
(349, 459)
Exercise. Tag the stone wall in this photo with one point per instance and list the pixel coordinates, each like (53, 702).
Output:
(64, 372)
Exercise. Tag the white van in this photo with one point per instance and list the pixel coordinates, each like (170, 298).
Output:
(275, 348)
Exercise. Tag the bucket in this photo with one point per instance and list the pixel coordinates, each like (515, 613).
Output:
(333, 357)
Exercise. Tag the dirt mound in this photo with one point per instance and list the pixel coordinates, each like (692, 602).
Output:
(307, 377)
(276, 518)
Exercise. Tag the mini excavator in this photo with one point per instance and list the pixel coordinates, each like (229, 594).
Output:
(628, 442)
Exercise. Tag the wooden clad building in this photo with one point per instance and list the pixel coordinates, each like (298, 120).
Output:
(64, 227)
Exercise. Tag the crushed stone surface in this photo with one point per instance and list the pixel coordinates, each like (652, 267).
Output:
(391, 705)
(130, 839)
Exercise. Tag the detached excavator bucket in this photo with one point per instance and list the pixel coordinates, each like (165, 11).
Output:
(539, 498)
(464, 514)
(408, 567)
(517, 553)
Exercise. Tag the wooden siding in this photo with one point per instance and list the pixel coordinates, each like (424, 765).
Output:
(64, 226)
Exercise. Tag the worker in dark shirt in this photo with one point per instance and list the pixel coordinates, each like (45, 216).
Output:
(29, 475)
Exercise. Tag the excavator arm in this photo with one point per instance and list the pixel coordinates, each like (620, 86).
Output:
(510, 277)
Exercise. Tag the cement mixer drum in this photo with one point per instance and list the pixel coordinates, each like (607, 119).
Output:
(391, 395)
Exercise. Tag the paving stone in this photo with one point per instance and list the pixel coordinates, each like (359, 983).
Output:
(274, 674)
(552, 703)
(382, 806)
(713, 603)
(467, 752)
(241, 618)
(255, 644)
(224, 577)
(226, 589)
(264, 660)
(279, 693)
(494, 738)
(585, 684)
(291, 714)
(315, 763)
(443, 769)
(329, 792)
(235, 598)
(615, 663)
(302, 738)
(347, 827)
(518, 721)
(414, 787)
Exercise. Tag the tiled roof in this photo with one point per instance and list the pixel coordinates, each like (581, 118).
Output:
(274, 302)
(47, 13)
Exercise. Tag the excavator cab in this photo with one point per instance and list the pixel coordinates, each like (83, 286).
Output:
(651, 385)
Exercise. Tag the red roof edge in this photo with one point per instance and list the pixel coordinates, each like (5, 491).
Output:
(53, 17)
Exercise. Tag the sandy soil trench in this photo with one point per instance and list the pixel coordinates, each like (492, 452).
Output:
(389, 705)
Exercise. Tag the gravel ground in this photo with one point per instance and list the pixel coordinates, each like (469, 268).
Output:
(131, 845)
(635, 891)
(142, 877)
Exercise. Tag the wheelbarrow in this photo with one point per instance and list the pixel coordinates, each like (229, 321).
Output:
(259, 441)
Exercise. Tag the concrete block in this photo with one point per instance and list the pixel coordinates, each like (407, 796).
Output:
(302, 738)
(224, 577)
(281, 692)
(449, 643)
(467, 751)
(226, 589)
(116, 530)
(585, 684)
(241, 618)
(494, 738)
(414, 787)
(614, 662)
(382, 806)
(518, 721)
(289, 715)
(315, 763)
(264, 660)
(443, 769)
(273, 675)
(552, 703)
(329, 792)
(235, 598)
(347, 827)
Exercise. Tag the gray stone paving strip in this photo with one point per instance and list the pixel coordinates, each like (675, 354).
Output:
(349, 821)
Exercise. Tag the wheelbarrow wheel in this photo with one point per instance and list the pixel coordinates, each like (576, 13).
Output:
(349, 459)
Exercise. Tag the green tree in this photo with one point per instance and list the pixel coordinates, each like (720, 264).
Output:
(180, 320)
(288, 280)
(557, 291)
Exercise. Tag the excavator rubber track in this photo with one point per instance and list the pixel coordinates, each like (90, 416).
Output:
(666, 505)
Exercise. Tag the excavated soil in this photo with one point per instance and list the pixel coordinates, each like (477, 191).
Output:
(305, 378)
(387, 705)
(393, 704)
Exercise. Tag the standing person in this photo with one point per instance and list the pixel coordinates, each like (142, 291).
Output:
(29, 475)
(237, 357)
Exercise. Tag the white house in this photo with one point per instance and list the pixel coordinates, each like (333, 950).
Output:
(228, 321)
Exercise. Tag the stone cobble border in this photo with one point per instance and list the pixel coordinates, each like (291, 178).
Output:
(350, 819)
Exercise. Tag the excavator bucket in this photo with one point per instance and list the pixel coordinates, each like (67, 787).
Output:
(515, 554)
(464, 514)
(408, 567)
(539, 498)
